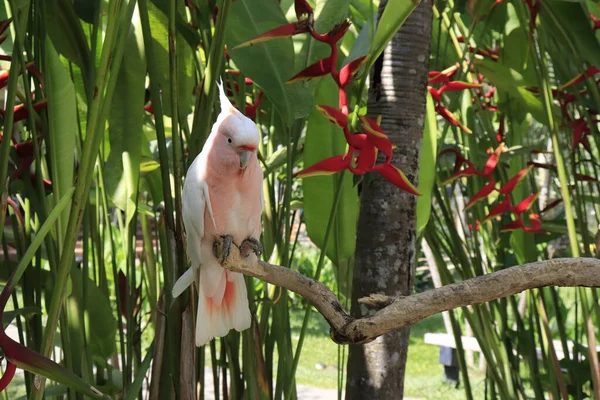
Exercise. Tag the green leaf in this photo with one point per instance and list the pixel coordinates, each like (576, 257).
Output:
(427, 166)
(125, 127)
(100, 323)
(570, 24)
(65, 31)
(517, 51)
(185, 74)
(394, 15)
(269, 64)
(26, 312)
(512, 82)
(323, 140)
(62, 128)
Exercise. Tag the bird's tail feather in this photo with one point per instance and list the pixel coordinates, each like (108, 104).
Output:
(183, 282)
(226, 308)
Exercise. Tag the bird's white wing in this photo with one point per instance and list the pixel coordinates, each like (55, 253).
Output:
(195, 201)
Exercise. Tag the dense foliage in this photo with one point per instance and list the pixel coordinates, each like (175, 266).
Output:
(107, 103)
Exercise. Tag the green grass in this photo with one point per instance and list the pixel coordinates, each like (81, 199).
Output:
(423, 372)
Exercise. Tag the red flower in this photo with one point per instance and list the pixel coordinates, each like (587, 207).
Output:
(363, 148)
(443, 77)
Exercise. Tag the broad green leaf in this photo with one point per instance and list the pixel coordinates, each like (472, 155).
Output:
(125, 126)
(269, 64)
(361, 45)
(517, 52)
(184, 29)
(26, 312)
(100, 323)
(62, 128)
(65, 31)
(514, 84)
(427, 166)
(570, 24)
(394, 15)
(323, 140)
(160, 46)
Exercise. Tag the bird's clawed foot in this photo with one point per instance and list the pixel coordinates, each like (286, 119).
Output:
(222, 247)
(251, 245)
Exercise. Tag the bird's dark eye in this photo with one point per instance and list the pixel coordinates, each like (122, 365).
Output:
(229, 140)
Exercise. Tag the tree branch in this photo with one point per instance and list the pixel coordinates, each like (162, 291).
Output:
(398, 312)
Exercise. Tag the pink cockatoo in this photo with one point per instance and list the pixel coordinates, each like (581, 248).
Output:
(222, 196)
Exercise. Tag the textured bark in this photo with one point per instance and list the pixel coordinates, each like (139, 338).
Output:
(385, 244)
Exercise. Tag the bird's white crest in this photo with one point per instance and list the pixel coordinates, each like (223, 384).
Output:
(226, 106)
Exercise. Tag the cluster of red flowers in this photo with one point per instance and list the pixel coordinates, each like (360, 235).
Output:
(364, 147)
(23, 150)
(250, 108)
(506, 190)
(443, 78)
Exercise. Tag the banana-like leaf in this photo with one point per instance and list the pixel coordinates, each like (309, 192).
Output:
(125, 121)
(511, 81)
(427, 166)
(394, 15)
(323, 140)
(269, 64)
(62, 128)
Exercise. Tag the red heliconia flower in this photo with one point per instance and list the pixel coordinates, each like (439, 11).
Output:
(396, 177)
(581, 131)
(512, 183)
(482, 194)
(588, 73)
(534, 221)
(448, 116)
(500, 132)
(334, 115)
(477, 226)
(499, 209)
(595, 21)
(365, 160)
(302, 8)
(327, 166)
(234, 72)
(287, 30)
(435, 77)
(534, 9)
(337, 32)
(363, 148)
(458, 85)
(489, 168)
(20, 111)
(149, 108)
(525, 204)
(536, 164)
(252, 109)
(585, 178)
(551, 205)
(376, 136)
(443, 77)
(349, 70)
(319, 68)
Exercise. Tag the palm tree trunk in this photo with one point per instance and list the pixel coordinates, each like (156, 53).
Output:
(385, 243)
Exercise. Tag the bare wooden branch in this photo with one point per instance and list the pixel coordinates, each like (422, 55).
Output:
(565, 272)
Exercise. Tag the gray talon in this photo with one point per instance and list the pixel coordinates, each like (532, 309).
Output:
(222, 247)
(251, 245)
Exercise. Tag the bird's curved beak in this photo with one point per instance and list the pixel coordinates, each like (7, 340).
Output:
(244, 158)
